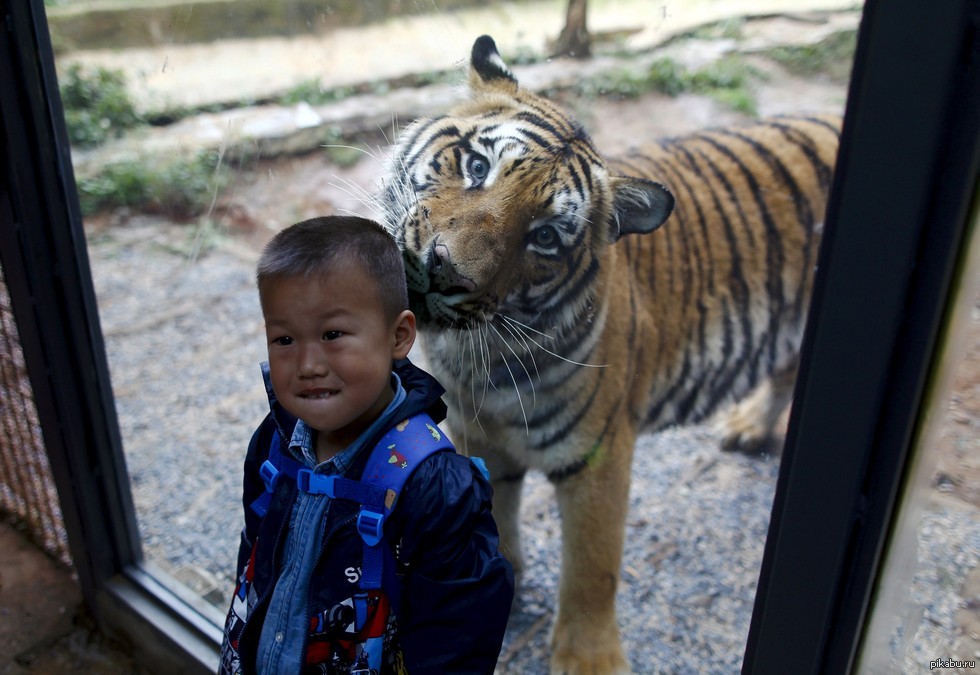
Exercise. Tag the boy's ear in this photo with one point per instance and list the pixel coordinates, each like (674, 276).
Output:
(404, 334)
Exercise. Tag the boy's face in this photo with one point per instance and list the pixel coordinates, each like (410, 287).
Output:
(330, 351)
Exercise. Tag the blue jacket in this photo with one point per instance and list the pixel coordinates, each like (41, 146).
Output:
(454, 589)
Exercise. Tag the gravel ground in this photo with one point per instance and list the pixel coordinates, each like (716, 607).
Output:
(184, 339)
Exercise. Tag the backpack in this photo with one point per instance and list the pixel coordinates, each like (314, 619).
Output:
(390, 464)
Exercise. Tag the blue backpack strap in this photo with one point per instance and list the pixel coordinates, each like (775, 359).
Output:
(271, 471)
(388, 468)
(277, 463)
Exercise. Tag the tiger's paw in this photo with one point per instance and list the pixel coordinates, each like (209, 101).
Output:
(750, 441)
(747, 427)
(589, 663)
(586, 656)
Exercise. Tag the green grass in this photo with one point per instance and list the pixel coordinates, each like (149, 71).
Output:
(180, 188)
(727, 80)
(729, 28)
(832, 56)
(98, 108)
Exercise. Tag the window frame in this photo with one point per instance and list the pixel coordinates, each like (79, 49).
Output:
(906, 175)
(46, 267)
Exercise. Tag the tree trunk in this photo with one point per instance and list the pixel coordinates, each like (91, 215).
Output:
(574, 39)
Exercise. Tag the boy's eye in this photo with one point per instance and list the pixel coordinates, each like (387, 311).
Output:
(284, 341)
(332, 334)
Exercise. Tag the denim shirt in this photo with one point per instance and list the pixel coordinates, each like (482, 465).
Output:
(284, 631)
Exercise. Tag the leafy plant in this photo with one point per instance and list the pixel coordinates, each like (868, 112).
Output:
(726, 80)
(180, 188)
(831, 56)
(668, 77)
(97, 105)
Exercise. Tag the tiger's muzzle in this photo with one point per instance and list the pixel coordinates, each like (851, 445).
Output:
(444, 278)
(444, 297)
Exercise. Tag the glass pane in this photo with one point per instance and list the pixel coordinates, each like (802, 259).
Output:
(926, 616)
(201, 129)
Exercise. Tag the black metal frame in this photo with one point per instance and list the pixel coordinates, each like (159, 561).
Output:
(45, 264)
(907, 170)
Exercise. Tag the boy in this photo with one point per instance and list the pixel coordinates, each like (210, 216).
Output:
(335, 305)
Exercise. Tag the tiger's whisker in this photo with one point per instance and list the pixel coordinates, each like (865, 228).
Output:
(517, 390)
(360, 194)
(520, 338)
(364, 151)
(476, 407)
(534, 397)
(515, 322)
(559, 356)
(486, 358)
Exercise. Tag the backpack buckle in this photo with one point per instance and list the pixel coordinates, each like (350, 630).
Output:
(269, 474)
(307, 481)
(370, 525)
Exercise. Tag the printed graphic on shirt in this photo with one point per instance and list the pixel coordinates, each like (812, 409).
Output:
(355, 637)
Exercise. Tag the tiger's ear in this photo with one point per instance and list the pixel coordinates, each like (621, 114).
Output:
(639, 206)
(488, 71)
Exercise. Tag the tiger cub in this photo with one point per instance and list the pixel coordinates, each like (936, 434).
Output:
(564, 316)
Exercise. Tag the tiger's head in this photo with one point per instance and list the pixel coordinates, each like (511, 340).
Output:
(503, 206)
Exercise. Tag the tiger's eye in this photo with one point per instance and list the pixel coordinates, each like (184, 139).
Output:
(478, 167)
(545, 237)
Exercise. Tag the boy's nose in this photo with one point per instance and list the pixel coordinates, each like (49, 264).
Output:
(312, 362)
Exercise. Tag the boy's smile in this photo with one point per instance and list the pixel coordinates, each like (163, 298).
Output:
(317, 393)
(331, 348)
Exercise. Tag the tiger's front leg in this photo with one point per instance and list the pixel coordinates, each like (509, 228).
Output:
(593, 504)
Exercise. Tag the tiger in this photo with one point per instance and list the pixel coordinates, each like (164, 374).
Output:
(564, 314)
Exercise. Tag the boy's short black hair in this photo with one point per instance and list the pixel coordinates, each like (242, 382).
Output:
(314, 246)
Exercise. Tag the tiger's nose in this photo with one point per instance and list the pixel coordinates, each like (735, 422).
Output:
(445, 277)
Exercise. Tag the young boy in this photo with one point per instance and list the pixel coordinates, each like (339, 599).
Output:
(335, 305)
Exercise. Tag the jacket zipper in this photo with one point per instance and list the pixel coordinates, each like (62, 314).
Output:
(323, 545)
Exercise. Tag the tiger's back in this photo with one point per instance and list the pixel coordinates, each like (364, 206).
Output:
(723, 288)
